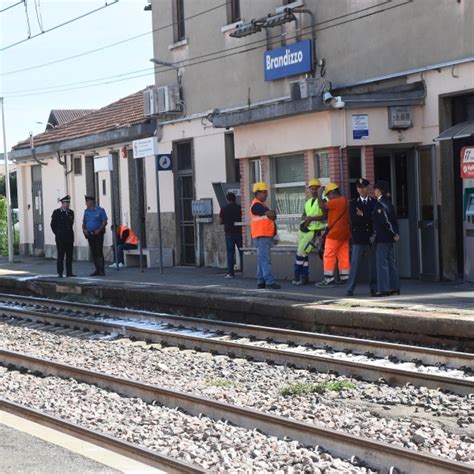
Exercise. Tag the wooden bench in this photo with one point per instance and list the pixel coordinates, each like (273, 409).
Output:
(151, 257)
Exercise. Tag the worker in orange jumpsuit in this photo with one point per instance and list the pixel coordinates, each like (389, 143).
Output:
(126, 240)
(336, 248)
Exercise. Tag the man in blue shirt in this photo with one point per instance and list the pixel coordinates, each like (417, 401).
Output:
(93, 226)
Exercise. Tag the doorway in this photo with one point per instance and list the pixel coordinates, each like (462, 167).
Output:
(136, 183)
(38, 221)
(427, 209)
(397, 167)
(184, 197)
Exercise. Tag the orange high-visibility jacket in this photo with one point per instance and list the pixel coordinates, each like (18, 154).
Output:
(132, 239)
(260, 226)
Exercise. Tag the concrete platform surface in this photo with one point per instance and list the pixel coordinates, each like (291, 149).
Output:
(447, 297)
(27, 447)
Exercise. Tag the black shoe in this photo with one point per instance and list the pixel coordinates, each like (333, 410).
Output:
(379, 294)
(94, 274)
(60, 275)
(373, 292)
(394, 292)
(261, 286)
(102, 274)
(71, 275)
(349, 293)
(273, 286)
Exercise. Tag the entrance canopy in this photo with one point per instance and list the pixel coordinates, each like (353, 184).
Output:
(461, 130)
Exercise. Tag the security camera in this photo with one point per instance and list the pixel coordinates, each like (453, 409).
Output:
(338, 102)
(327, 98)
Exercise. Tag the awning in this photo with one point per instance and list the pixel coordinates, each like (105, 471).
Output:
(461, 130)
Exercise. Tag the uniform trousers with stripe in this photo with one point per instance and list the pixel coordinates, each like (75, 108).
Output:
(336, 252)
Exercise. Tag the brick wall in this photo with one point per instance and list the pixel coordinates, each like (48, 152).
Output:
(369, 163)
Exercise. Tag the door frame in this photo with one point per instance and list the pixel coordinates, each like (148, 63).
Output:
(38, 214)
(177, 202)
(434, 193)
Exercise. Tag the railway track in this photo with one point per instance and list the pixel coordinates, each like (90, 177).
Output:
(397, 364)
(378, 455)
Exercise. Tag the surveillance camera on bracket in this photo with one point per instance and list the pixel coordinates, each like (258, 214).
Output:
(334, 102)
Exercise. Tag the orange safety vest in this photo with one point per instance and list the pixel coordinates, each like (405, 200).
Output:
(132, 239)
(260, 226)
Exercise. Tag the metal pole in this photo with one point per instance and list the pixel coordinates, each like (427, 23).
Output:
(7, 190)
(158, 209)
(114, 220)
(137, 187)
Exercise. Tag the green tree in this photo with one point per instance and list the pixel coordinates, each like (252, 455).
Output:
(13, 188)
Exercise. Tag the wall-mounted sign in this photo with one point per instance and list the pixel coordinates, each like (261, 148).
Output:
(103, 163)
(163, 162)
(290, 60)
(467, 162)
(145, 147)
(360, 126)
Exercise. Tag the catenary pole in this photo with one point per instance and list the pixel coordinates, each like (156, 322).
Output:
(7, 189)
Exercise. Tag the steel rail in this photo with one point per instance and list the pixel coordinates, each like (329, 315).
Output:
(374, 453)
(380, 349)
(143, 455)
(367, 371)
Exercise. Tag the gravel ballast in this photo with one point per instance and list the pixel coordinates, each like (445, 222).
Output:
(415, 418)
(213, 445)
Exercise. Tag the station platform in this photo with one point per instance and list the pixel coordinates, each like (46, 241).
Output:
(30, 448)
(434, 309)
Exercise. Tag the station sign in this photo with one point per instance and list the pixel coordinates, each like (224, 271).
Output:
(288, 61)
(145, 147)
(360, 126)
(103, 163)
(467, 162)
(163, 162)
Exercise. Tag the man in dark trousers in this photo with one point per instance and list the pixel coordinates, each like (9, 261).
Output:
(229, 215)
(62, 225)
(360, 213)
(93, 226)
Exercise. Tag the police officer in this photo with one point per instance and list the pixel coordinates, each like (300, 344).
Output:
(360, 212)
(93, 226)
(62, 225)
(386, 235)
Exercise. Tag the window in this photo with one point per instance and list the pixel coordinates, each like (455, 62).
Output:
(321, 166)
(288, 195)
(77, 165)
(355, 169)
(255, 171)
(233, 11)
(178, 20)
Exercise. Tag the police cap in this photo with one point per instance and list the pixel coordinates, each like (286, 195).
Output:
(362, 183)
(66, 198)
(382, 185)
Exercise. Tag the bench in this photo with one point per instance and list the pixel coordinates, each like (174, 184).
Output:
(151, 257)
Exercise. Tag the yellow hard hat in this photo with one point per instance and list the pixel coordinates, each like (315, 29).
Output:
(260, 186)
(314, 182)
(330, 187)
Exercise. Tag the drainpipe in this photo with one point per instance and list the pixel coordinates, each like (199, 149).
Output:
(33, 152)
(313, 29)
(63, 163)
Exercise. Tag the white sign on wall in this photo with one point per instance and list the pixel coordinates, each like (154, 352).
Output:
(145, 147)
(103, 163)
(360, 126)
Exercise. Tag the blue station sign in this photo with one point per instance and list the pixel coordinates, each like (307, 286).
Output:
(290, 60)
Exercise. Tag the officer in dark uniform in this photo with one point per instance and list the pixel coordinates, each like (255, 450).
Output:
(386, 236)
(62, 225)
(360, 213)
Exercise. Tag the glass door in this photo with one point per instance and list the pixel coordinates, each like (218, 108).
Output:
(427, 213)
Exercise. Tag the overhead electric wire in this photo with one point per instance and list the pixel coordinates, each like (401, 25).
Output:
(72, 20)
(29, 68)
(197, 59)
(131, 38)
(27, 20)
(11, 6)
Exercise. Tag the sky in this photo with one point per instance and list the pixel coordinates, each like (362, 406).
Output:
(30, 95)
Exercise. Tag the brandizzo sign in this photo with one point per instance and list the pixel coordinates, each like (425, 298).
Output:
(288, 61)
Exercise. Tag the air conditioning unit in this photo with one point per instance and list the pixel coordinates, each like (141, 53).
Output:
(305, 88)
(400, 117)
(162, 100)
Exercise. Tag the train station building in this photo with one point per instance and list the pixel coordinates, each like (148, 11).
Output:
(281, 92)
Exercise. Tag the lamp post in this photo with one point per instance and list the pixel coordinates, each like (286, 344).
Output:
(7, 190)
